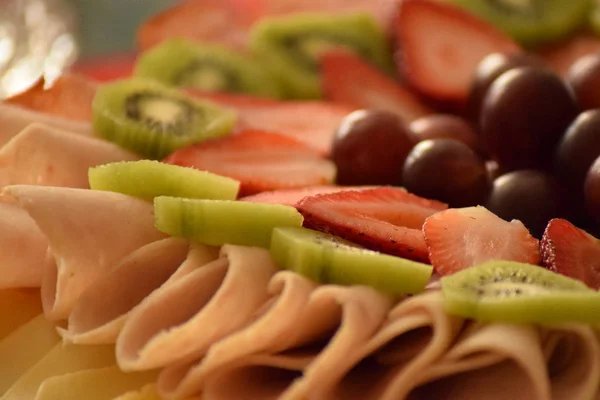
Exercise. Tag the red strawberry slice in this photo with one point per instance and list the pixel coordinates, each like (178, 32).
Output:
(290, 197)
(441, 46)
(459, 238)
(220, 21)
(311, 122)
(571, 251)
(107, 69)
(70, 96)
(561, 56)
(349, 80)
(261, 161)
(383, 219)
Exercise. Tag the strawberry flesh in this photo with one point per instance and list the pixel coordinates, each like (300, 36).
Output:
(460, 238)
(382, 219)
(441, 46)
(260, 160)
(291, 197)
(571, 251)
(349, 80)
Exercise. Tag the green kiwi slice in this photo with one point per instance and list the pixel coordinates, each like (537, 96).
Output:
(148, 179)
(153, 120)
(328, 259)
(531, 22)
(291, 46)
(217, 222)
(207, 67)
(519, 293)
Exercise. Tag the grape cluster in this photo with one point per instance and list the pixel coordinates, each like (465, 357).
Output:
(527, 148)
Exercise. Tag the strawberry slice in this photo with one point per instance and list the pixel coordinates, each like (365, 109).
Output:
(311, 122)
(571, 251)
(107, 69)
(291, 197)
(561, 56)
(70, 96)
(441, 46)
(383, 219)
(459, 238)
(349, 80)
(260, 160)
(220, 21)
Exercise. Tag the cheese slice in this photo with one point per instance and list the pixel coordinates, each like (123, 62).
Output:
(17, 307)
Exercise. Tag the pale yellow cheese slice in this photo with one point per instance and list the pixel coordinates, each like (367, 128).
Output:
(17, 306)
(20, 350)
(96, 384)
(62, 359)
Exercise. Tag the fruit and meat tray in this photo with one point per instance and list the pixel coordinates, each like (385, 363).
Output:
(311, 200)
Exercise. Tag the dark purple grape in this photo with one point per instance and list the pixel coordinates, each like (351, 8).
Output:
(490, 68)
(578, 149)
(444, 126)
(370, 147)
(533, 197)
(525, 113)
(446, 170)
(584, 78)
(592, 190)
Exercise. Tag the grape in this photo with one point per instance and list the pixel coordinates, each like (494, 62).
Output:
(592, 190)
(490, 68)
(525, 113)
(532, 197)
(584, 78)
(446, 170)
(578, 149)
(370, 147)
(443, 126)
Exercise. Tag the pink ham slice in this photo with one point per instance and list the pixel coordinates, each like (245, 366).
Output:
(41, 155)
(493, 361)
(179, 322)
(14, 119)
(348, 316)
(103, 308)
(88, 233)
(23, 249)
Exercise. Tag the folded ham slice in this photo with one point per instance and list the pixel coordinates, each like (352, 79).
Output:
(103, 308)
(309, 359)
(23, 248)
(88, 231)
(14, 119)
(180, 321)
(490, 361)
(41, 155)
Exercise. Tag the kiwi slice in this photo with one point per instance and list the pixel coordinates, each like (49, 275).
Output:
(291, 46)
(153, 120)
(207, 67)
(531, 22)
(217, 222)
(519, 293)
(328, 259)
(148, 179)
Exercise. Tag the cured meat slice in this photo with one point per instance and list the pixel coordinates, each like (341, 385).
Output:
(103, 308)
(23, 249)
(14, 119)
(41, 155)
(180, 321)
(88, 232)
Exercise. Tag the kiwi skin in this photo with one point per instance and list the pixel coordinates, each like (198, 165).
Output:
(168, 61)
(358, 30)
(328, 259)
(114, 120)
(512, 292)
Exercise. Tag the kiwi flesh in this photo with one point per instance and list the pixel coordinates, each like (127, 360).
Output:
(153, 120)
(291, 46)
(218, 222)
(506, 291)
(328, 259)
(148, 179)
(206, 67)
(531, 22)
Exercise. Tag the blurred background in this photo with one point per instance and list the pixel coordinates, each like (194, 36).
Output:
(42, 37)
